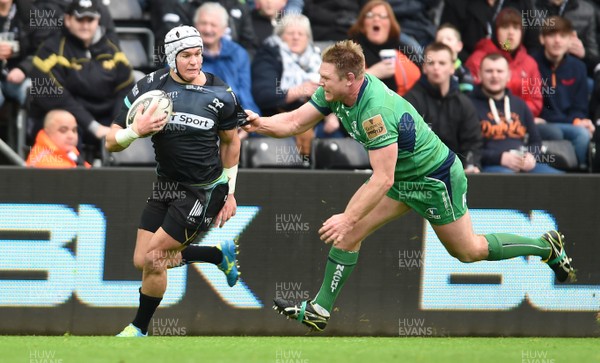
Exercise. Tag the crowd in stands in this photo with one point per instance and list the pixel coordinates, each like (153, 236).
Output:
(496, 80)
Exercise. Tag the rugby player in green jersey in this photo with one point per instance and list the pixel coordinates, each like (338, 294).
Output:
(404, 154)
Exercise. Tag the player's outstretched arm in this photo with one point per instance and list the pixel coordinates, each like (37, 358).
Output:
(284, 124)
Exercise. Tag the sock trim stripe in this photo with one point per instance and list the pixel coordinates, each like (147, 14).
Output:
(339, 263)
(521, 245)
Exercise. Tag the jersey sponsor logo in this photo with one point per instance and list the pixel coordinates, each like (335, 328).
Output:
(374, 127)
(216, 105)
(191, 120)
(135, 90)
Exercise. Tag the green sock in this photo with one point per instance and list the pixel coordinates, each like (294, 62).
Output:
(503, 246)
(339, 267)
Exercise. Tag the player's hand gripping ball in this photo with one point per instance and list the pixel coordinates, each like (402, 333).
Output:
(165, 106)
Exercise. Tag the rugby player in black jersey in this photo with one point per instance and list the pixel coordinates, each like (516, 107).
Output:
(197, 153)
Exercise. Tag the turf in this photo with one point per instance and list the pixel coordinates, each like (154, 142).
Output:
(64, 349)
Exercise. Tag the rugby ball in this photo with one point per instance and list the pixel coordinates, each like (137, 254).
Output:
(165, 106)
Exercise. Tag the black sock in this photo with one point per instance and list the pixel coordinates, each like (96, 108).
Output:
(201, 254)
(148, 305)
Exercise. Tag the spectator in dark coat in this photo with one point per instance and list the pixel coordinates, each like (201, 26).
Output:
(264, 18)
(285, 71)
(16, 50)
(48, 18)
(449, 113)
(582, 16)
(76, 72)
(511, 143)
(565, 112)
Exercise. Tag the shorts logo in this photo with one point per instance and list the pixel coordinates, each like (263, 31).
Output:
(433, 213)
(374, 127)
(196, 209)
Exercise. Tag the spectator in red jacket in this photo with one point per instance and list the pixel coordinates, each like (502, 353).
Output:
(525, 79)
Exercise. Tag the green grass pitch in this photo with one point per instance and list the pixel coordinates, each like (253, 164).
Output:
(312, 349)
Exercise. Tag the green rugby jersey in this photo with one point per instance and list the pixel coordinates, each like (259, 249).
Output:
(381, 117)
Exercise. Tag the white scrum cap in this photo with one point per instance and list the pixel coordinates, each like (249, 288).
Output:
(178, 39)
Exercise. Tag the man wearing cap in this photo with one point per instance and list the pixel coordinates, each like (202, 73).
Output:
(197, 152)
(81, 71)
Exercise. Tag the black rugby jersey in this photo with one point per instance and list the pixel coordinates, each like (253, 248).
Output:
(187, 149)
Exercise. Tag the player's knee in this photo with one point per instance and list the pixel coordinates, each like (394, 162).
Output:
(153, 261)
(468, 255)
(465, 257)
(348, 245)
(138, 262)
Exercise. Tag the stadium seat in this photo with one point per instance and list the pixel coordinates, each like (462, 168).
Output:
(125, 9)
(139, 153)
(263, 152)
(134, 50)
(339, 154)
(560, 154)
(138, 45)
(12, 124)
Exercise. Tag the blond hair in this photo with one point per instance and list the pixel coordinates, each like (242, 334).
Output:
(347, 57)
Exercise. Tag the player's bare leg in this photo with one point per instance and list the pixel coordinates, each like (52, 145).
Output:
(142, 244)
(461, 242)
(224, 255)
(163, 253)
(342, 259)
(159, 251)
